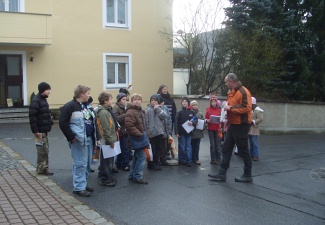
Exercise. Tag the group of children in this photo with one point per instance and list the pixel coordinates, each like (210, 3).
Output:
(156, 122)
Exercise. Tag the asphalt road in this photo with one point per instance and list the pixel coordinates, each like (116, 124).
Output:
(288, 186)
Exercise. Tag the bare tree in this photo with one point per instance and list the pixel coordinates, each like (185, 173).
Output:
(194, 45)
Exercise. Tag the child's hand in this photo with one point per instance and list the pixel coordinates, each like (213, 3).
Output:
(190, 123)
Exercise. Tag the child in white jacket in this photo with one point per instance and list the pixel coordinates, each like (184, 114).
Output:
(254, 131)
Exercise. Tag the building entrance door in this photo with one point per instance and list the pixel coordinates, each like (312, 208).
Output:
(11, 80)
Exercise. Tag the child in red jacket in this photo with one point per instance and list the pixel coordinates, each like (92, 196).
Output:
(213, 128)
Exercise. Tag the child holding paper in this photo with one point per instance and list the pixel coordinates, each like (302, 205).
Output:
(197, 134)
(213, 127)
(107, 126)
(185, 118)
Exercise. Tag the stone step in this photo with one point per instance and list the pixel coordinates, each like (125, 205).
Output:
(14, 115)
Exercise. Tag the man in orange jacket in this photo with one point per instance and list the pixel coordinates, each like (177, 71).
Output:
(239, 118)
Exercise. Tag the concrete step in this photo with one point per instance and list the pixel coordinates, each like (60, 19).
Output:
(14, 115)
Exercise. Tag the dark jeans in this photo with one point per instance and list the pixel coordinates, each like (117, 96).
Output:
(163, 146)
(236, 134)
(155, 143)
(195, 149)
(122, 159)
(215, 145)
(106, 166)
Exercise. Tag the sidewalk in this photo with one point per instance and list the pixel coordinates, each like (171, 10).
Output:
(27, 198)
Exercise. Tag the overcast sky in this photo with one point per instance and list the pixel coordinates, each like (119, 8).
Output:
(182, 9)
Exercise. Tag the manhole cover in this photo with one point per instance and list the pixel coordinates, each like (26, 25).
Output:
(318, 174)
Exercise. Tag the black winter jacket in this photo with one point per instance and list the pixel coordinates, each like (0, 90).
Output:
(181, 117)
(40, 118)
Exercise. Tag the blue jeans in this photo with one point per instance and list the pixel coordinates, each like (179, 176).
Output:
(81, 156)
(122, 159)
(215, 145)
(195, 149)
(137, 165)
(253, 145)
(185, 148)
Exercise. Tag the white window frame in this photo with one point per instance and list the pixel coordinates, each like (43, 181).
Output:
(21, 5)
(128, 70)
(127, 24)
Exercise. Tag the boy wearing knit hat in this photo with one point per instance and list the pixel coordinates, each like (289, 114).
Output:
(154, 116)
(184, 138)
(119, 109)
(197, 134)
(41, 122)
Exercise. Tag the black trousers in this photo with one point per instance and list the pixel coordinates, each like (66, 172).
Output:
(236, 134)
(155, 143)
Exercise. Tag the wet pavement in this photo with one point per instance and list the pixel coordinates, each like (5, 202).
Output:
(288, 186)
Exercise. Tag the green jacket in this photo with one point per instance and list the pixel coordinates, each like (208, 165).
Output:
(106, 126)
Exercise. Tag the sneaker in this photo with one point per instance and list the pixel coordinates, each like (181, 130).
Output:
(156, 168)
(188, 164)
(255, 158)
(92, 170)
(82, 193)
(110, 182)
(141, 181)
(46, 173)
(89, 188)
(114, 170)
(127, 168)
(197, 162)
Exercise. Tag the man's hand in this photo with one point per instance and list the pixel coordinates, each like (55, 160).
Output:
(227, 107)
(38, 135)
(112, 145)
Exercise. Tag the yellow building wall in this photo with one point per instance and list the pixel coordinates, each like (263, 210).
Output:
(79, 41)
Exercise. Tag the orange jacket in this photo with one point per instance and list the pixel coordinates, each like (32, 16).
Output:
(240, 101)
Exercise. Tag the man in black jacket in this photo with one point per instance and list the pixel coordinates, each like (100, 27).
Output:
(41, 122)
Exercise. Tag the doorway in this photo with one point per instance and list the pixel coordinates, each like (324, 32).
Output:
(11, 80)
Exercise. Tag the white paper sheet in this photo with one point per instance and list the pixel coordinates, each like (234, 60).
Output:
(109, 152)
(200, 124)
(223, 115)
(187, 127)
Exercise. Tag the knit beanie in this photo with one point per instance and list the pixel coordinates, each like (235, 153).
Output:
(43, 86)
(213, 97)
(156, 97)
(194, 102)
(120, 96)
(186, 99)
(123, 90)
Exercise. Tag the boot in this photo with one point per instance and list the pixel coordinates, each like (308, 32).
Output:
(220, 175)
(246, 177)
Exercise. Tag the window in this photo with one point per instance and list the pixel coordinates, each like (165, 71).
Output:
(117, 70)
(12, 5)
(117, 13)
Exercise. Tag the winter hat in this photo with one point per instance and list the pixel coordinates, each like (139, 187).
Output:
(43, 86)
(156, 97)
(161, 99)
(186, 99)
(120, 96)
(213, 97)
(123, 90)
(253, 101)
(194, 102)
